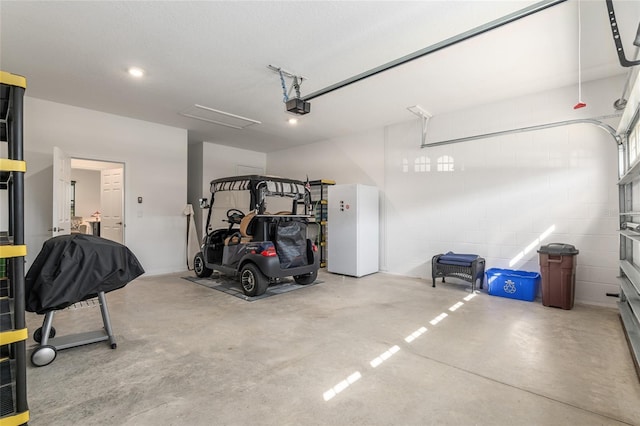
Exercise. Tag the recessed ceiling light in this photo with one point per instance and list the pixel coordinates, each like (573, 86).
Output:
(136, 72)
(293, 121)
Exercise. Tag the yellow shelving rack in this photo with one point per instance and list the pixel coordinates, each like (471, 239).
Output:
(319, 194)
(14, 409)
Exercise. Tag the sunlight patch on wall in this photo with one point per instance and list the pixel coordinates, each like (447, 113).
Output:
(535, 243)
(422, 164)
(445, 163)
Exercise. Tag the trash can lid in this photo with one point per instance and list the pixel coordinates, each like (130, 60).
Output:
(558, 249)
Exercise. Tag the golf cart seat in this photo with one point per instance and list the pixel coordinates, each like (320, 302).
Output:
(243, 235)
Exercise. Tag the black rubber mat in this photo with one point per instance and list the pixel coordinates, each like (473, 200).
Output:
(232, 287)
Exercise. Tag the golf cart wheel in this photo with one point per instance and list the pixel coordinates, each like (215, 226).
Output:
(37, 335)
(43, 355)
(200, 268)
(306, 278)
(253, 282)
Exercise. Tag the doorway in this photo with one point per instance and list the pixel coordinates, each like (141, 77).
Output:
(97, 198)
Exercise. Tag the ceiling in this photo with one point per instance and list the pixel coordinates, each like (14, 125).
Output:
(215, 54)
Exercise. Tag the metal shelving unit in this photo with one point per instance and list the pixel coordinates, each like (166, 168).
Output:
(13, 332)
(629, 202)
(319, 203)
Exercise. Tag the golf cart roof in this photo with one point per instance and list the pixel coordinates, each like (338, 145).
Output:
(271, 185)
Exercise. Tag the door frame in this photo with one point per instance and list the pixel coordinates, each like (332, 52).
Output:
(61, 193)
(92, 164)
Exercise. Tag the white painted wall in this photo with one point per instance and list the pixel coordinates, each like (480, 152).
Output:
(355, 158)
(222, 161)
(194, 184)
(502, 194)
(87, 192)
(155, 158)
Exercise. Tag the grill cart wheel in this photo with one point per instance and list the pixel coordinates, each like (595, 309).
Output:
(43, 355)
(37, 335)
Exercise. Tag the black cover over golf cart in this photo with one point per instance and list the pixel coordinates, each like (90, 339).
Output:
(258, 246)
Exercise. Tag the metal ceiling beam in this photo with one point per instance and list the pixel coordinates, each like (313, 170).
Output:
(535, 8)
(617, 40)
(595, 122)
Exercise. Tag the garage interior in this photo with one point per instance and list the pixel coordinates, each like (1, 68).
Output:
(486, 127)
(191, 355)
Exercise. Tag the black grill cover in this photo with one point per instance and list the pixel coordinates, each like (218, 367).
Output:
(76, 267)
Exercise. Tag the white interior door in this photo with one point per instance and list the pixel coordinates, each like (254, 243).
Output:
(111, 201)
(61, 193)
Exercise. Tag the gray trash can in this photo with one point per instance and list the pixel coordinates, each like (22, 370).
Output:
(558, 271)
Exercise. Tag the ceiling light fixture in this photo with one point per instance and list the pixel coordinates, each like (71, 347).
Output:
(293, 121)
(136, 72)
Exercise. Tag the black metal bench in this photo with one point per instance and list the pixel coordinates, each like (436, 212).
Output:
(467, 267)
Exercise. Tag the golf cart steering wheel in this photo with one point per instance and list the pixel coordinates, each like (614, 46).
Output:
(234, 216)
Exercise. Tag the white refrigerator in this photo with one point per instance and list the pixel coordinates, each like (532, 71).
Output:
(352, 229)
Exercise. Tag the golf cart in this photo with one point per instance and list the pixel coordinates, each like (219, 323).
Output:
(257, 246)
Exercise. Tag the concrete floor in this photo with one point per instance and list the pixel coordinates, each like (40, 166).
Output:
(189, 355)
